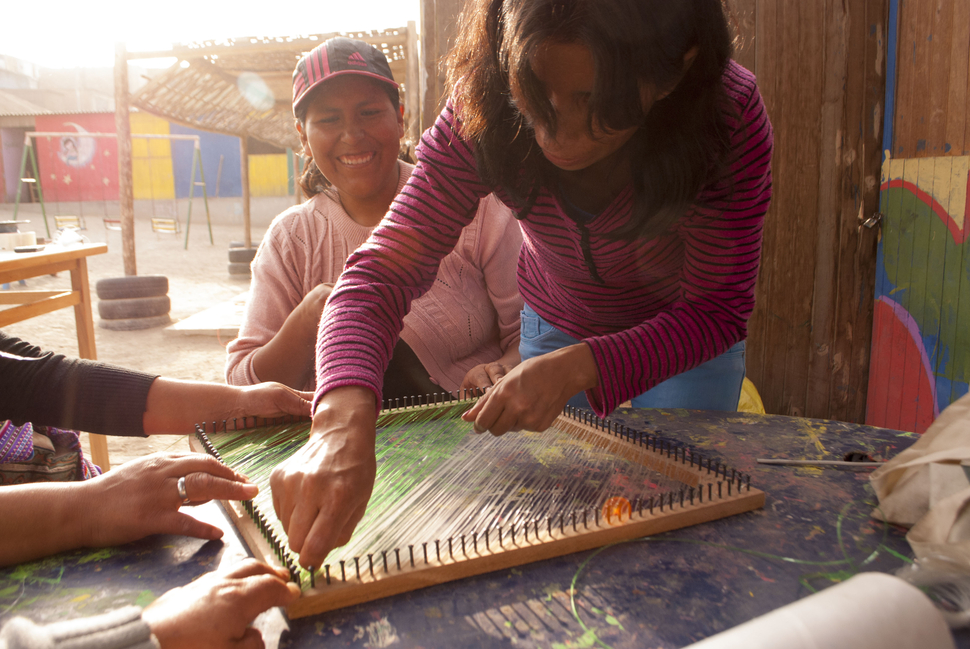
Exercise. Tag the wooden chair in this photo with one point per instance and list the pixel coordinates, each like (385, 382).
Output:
(61, 222)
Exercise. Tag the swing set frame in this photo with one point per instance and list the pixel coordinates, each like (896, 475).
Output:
(196, 163)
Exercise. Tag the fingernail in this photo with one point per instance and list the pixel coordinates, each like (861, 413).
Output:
(478, 429)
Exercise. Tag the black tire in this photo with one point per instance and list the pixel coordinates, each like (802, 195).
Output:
(134, 324)
(241, 255)
(237, 268)
(136, 307)
(120, 288)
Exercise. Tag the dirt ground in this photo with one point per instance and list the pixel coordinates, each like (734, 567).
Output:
(198, 279)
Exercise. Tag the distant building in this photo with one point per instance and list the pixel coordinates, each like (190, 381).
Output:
(79, 168)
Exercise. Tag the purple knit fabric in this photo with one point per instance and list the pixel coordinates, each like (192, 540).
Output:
(664, 305)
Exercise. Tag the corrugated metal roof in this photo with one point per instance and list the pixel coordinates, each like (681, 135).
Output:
(11, 105)
(210, 92)
(27, 102)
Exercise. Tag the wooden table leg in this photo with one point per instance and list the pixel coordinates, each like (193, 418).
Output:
(84, 321)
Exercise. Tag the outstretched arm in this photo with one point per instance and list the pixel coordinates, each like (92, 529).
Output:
(288, 356)
(175, 407)
(128, 503)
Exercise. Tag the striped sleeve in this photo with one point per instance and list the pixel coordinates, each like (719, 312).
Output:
(721, 238)
(398, 263)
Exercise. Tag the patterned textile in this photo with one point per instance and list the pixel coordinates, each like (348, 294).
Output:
(32, 453)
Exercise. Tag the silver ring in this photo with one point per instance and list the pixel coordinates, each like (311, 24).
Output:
(184, 496)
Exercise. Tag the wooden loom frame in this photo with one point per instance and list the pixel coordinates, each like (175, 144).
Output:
(708, 494)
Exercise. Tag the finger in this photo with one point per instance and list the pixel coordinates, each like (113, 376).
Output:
(251, 639)
(283, 501)
(185, 525)
(262, 592)
(484, 414)
(495, 372)
(506, 422)
(251, 568)
(326, 532)
(203, 487)
(300, 523)
(472, 414)
(202, 463)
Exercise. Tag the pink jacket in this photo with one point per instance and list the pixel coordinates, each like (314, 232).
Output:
(470, 316)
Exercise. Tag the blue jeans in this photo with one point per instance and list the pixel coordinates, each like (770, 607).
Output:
(714, 385)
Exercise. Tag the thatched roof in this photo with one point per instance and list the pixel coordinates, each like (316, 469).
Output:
(242, 87)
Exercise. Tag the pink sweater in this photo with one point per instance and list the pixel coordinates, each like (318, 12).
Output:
(648, 309)
(468, 317)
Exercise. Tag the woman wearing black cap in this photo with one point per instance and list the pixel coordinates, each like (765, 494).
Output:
(463, 333)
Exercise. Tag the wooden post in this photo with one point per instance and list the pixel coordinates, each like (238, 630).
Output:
(439, 27)
(3, 185)
(126, 198)
(412, 85)
(244, 177)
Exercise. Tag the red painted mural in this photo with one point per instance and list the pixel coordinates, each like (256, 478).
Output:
(77, 167)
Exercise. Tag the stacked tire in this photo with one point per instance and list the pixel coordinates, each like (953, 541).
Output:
(240, 257)
(133, 302)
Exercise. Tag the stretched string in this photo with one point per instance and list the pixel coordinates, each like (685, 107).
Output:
(442, 485)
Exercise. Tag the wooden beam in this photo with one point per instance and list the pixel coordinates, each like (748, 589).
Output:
(126, 196)
(412, 83)
(244, 178)
(242, 46)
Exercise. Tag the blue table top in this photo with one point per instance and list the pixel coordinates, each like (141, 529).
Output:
(664, 591)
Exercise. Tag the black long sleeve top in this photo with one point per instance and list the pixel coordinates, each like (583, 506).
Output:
(51, 389)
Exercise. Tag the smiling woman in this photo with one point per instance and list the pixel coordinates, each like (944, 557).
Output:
(462, 334)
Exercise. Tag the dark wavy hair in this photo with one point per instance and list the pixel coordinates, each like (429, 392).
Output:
(312, 181)
(683, 139)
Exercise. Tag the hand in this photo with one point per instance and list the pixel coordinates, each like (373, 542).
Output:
(271, 400)
(534, 393)
(311, 306)
(288, 356)
(141, 497)
(215, 611)
(485, 376)
(320, 493)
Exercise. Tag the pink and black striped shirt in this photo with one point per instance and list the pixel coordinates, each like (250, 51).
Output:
(648, 309)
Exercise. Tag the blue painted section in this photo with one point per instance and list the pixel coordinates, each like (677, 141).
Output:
(214, 146)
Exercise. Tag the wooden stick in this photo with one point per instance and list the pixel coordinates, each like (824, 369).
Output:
(860, 465)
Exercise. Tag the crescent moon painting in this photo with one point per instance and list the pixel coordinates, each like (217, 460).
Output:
(77, 151)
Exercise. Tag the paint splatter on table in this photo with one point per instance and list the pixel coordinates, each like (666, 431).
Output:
(665, 591)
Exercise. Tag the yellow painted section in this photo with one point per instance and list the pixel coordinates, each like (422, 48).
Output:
(151, 158)
(268, 175)
(943, 178)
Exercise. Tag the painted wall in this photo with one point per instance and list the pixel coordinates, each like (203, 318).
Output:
(77, 167)
(151, 158)
(269, 175)
(213, 146)
(920, 360)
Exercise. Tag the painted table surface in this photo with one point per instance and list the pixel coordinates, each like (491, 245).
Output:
(666, 591)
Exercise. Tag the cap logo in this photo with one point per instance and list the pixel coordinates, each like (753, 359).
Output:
(356, 59)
